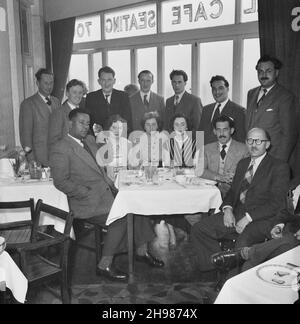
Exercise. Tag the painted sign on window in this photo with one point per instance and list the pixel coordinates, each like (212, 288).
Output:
(192, 14)
(2, 20)
(138, 21)
(249, 10)
(87, 29)
(296, 20)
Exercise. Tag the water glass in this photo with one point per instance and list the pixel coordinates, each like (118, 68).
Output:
(35, 170)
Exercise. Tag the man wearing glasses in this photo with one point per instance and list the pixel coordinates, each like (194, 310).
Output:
(272, 107)
(258, 191)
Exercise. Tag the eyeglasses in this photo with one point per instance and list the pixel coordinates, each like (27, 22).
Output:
(250, 141)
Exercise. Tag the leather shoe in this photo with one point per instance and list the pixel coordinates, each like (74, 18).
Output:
(227, 260)
(150, 260)
(112, 274)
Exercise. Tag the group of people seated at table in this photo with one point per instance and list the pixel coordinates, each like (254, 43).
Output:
(87, 141)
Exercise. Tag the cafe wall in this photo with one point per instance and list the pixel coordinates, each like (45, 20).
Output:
(6, 104)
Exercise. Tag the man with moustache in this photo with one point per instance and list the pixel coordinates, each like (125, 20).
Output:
(222, 106)
(34, 118)
(272, 107)
(258, 191)
(107, 101)
(91, 194)
(145, 101)
(222, 157)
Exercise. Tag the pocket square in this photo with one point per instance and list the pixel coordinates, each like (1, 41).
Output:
(270, 110)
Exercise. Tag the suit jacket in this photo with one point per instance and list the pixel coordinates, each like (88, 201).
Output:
(276, 115)
(267, 192)
(34, 124)
(100, 111)
(289, 216)
(138, 108)
(236, 152)
(59, 124)
(76, 173)
(231, 109)
(189, 105)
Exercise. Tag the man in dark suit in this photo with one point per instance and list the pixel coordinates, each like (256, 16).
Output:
(59, 120)
(284, 236)
(272, 108)
(34, 118)
(145, 100)
(182, 102)
(108, 101)
(222, 106)
(91, 194)
(258, 191)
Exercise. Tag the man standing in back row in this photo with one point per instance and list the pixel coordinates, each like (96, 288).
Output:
(108, 101)
(34, 118)
(182, 102)
(272, 107)
(145, 101)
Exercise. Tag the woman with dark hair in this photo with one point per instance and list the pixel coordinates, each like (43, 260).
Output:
(149, 150)
(113, 153)
(182, 145)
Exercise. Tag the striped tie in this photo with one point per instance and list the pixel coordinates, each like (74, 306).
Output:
(246, 183)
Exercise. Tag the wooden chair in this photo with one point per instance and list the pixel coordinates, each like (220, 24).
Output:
(38, 263)
(17, 234)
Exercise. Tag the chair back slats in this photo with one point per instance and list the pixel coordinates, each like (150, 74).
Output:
(17, 204)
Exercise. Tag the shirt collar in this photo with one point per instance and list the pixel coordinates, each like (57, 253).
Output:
(72, 106)
(223, 104)
(76, 140)
(43, 97)
(143, 94)
(179, 96)
(268, 89)
(257, 161)
(227, 145)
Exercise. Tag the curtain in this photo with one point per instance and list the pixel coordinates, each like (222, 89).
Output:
(279, 37)
(62, 34)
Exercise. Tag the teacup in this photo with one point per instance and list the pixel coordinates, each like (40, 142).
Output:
(2, 244)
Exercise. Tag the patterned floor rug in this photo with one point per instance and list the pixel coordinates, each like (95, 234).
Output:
(180, 293)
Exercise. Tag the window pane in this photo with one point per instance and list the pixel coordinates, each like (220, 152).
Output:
(131, 22)
(87, 29)
(216, 58)
(178, 57)
(249, 10)
(251, 56)
(120, 62)
(79, 69)
(97, 57)
(191, 14)
(147, 60)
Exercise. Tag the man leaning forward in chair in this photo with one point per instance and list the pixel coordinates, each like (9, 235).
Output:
(91, 194)
(258, 191)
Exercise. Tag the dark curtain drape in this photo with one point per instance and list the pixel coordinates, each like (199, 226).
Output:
(277, 38)
(62, 34)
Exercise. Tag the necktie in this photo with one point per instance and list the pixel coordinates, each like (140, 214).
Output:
(262, 97)
(217, 113)
(223, 152)
(146, 103)
(176, 100)
(48, 101)
(106, 99)
(246, 183)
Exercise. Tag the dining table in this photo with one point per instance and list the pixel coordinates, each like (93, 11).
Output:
(274, 282)
(12, 189)
(12, 278)
(168, 194)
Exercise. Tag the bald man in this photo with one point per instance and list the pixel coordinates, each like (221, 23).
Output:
(258, 191)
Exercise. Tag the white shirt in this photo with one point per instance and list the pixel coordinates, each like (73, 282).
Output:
(76, 140)
(109, 96)
(262, 92)
(227, 146)
(72, 106)
(223, 104)
(143, 94)
(179, 97)
(44, 98)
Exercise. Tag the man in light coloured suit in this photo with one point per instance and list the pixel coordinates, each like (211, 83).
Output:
(221, 158)
(145, 100)
(34, 118)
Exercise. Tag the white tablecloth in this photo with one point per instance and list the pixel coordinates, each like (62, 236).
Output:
(12, 278)
(45, 190)
(169, 198)
(248, 288)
